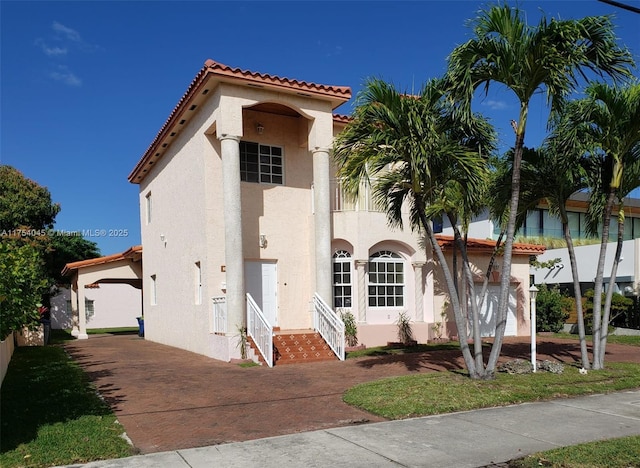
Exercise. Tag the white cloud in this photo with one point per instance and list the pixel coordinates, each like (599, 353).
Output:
(51, 51)
(68, 33)
(495, 105)
(66, 76)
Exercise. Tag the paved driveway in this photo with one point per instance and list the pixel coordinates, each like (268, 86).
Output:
(170, 399)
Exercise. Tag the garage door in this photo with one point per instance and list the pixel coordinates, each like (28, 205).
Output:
(490, 309)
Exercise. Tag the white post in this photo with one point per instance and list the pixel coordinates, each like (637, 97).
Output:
(322, 223)
(233, 252)
(533, 291)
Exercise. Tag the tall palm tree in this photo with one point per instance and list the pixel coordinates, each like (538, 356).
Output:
(607, 121)
(552, 175)
(549, 57)
(422, 157)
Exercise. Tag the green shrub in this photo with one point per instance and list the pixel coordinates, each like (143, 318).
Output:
(552, 309)
(620, 306)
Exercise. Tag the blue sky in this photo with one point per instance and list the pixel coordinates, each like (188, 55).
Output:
(86, 85)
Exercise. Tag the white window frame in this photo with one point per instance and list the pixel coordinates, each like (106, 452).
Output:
(89, 308)
(383, 285)
(154, 290)
(147, 198)
(265, 169)
(342, 300)
(198, 283)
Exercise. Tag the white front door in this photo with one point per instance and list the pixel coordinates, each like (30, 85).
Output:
(490, 309)
(261, 280)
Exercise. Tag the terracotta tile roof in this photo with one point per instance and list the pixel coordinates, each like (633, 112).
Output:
(343, 119)
(218, 72)
(485, 245)
(131, 253)
(343, 92)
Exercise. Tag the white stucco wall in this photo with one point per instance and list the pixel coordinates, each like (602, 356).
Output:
(481, 227)
(115, 306)
(175, 239)
(587, 260)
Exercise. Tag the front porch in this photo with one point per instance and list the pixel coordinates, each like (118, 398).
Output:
(270, 345)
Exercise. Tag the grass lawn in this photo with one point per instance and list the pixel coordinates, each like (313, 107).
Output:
(444, 392)
(632, 340)
(614, 453)
(52, 415)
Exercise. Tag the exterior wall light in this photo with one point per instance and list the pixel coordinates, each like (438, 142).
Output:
(259, 128)
(263, 241)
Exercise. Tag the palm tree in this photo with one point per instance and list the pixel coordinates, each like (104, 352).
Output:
(550, 57)
(552, 175)
(607, 121)
(420, 156)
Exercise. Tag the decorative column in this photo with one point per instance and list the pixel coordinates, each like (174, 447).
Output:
(75, 314)
(233, 253)
(82, 313)
(418, 270)
(322, 223)
(361, 274)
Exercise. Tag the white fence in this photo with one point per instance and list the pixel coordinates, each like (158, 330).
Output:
(6, 351)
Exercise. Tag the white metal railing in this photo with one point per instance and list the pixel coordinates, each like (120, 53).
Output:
(219, 314)
(329, 324)
(260, 330)
(339, 202)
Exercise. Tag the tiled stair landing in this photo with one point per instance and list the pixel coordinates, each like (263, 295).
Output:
(298, 346)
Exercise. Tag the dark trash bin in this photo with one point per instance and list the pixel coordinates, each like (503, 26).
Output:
(47, 330)
(140, 326)
(45, 320)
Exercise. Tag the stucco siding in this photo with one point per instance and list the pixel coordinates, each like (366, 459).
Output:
(175, 239)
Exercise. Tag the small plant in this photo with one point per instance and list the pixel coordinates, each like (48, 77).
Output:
(405, 333)
(437, 327)
(243, 341)
(350, 327)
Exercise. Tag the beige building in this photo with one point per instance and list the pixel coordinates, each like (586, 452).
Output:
(105, 292)
(243, 222)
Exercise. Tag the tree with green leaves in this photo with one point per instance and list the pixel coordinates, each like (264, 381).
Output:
(550, 57)
(24, 203)
(605, 125)
(63, 249)
(414, 151)
(22, 285)
(552, 175)
(31, 256)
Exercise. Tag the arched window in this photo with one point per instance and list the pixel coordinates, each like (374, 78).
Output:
(386, 279)
(342, 279)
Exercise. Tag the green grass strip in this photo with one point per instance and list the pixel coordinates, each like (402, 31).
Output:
(445, 392)
(614, 453)
(52, 415)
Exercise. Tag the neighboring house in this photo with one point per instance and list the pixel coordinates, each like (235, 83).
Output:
(627, 277)
(107, 305)
(542, 227)
(238, 195)
(105, 293)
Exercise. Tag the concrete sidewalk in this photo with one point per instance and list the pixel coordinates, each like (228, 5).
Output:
(467, 439)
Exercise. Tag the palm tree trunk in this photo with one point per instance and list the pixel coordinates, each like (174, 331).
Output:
(597, 289)
(612, 281)
(453, 296)
(577, 293)
(505, 279)
(468, 280)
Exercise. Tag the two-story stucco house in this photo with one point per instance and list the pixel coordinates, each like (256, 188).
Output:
(243, 222)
